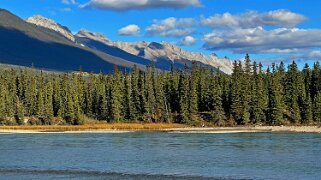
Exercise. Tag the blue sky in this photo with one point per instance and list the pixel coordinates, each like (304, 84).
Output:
(270, 30)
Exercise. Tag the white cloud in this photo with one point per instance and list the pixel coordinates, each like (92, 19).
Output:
(314, 55)
(305, 56)
(171, 27)
(258, 40)
(131, 29)
(252, 19)
(124, 5)
(272, 32)
(68, 2)
(187, 41)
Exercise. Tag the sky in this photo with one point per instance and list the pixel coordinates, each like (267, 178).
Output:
(269, 30)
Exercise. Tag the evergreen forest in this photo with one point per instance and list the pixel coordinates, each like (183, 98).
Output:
(193, 95)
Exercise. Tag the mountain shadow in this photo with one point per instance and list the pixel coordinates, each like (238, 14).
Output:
(18, 48)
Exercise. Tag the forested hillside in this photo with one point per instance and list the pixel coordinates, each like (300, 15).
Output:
(195, 95)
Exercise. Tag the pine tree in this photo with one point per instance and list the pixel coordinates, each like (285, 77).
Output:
(162, 111)
(48, 112)
(183, 96)
(218, 113)
(172, 91)
(193, 98)
(315, 80)
(127, 99)
(8, 97)
(307, 77)
(31, 95)
(136, 109)
(116, 96)
(259, 99)
(141, 94)
(67, 108)
(103, 99)
(293, 89)
(18, 111)
(240, 95)
(317, 107)
(248, 68)
(150, 105)
(77, 99)
(306, 110)
(274, 111)
(40, 109)
(3, 92)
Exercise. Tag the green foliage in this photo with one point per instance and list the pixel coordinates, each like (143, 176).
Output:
(193, 95)
(258, 104)
(218, 113)
(193, 98)
(275, 104)
(116, 97)
(183, 89)
(317, 107)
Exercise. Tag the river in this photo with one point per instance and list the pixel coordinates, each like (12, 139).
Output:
(156, 155)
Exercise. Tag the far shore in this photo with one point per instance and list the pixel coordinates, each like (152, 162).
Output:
(169, 128)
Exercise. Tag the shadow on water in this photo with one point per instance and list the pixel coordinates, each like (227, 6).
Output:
(82, 174)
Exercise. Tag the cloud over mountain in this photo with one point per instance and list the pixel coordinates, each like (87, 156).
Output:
(187, 41)
(252, 19)
(171, 27)
(274, 32)
(129, 30)
(259, 40)
(124, 5)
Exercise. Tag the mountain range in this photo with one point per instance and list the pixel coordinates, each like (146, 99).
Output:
(42, 42)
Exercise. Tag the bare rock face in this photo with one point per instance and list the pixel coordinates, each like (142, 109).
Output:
(50, 24)
(176, 53)
(93, 35)
(154, 51)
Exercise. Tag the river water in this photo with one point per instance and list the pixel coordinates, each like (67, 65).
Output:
(156, 155)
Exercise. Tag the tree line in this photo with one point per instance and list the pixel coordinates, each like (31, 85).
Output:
(193, 95)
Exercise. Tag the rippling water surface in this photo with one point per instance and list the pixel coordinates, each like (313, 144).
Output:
(143, 155)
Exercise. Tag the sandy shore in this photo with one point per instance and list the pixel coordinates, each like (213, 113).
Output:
(298, 129)
(257, 129)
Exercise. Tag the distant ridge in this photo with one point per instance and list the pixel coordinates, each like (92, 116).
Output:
(22, 43)
(164, 54)
(46, 44)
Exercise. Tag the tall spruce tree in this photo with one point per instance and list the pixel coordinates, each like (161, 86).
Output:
(183, 96)
(275, 106)
(317, 107)
(127, 99)
(218, 113)
(116, 96)
(259, 99)
(293, 90)
(193, 98)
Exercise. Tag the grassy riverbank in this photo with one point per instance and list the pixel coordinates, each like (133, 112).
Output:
(112, 126)
(166, 127)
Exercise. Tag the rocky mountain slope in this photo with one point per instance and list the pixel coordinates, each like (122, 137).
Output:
(27, 44)
(99, 42)
(163, 53)
(50, 24)
(47, 44)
